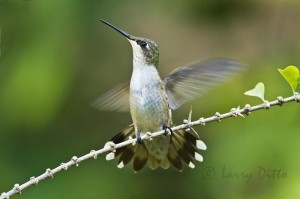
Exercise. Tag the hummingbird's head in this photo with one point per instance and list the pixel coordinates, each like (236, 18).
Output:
(145, 51)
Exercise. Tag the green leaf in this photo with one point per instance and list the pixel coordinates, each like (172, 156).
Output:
(291, 75)
(257, 91)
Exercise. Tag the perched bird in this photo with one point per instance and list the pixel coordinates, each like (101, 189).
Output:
(151, 100)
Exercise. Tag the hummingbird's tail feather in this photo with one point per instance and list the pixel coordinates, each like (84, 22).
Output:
(126, 156)
(140, 156)
(184, 147)
(126, 153)
(164, 163)
(153, 163)
(173, 156)
(137, 152)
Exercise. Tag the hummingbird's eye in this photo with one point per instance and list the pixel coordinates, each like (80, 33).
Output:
(141, 43)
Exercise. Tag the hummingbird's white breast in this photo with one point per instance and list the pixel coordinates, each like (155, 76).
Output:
(149, 108)
(148, 100)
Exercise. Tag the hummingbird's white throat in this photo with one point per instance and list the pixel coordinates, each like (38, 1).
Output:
(139, 58)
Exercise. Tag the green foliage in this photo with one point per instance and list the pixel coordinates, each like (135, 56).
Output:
(291, 75)
(257, 91)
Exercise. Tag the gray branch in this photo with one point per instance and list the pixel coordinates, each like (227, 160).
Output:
(110, 146)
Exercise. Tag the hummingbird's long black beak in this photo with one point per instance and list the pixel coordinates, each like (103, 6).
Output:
(128, 36)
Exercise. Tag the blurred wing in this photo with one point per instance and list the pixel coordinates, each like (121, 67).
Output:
(116, 99)
(186, 83)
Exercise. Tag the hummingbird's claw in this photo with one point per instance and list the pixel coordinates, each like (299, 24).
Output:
(138, 137)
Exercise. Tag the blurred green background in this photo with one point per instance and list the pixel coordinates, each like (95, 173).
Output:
(56, 58)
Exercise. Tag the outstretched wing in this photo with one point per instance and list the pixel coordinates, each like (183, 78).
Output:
(116, 99)
(186, 83)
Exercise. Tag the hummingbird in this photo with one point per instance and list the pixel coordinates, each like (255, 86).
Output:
(151, 100)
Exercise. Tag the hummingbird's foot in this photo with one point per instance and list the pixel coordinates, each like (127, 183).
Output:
(138, 137)
(168, 130)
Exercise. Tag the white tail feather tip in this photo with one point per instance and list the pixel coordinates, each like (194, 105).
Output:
(120, 165)
(201, 145)
(191, 165)
(198, 157)
(110, 156)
